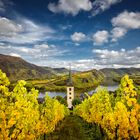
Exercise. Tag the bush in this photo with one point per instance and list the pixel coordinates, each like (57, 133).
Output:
(61, 100)
(76, 101)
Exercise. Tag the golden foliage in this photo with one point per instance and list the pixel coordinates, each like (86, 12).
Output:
(120, 119)
(22, 117)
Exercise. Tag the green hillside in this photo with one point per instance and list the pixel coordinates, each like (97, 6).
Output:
(113, 76)
(82, 81)
(16, 68)
(57, 71)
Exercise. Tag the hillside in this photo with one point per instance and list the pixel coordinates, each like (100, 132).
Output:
(110, 72)
(57, 71)
(16, 68)
(88, 79)
(114, 75)
(83, 81)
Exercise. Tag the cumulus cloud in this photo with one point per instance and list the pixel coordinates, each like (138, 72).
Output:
(128, 20)
(102, 5)
(23, 31)
(117, 32)
(70, 6)
(102, 58)
(100, 37)
(9, 27)
(120, 58)
(34, 54)
(73, 7)
(124, 22)
(78, 36)
(47, 55)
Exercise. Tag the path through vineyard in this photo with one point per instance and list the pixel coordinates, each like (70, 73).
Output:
(71, 128)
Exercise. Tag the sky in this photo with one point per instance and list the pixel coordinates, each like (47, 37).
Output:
(88, 34)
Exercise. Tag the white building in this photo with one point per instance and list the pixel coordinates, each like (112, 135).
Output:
(70, 91)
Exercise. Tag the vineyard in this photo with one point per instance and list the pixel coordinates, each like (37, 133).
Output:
(118, 116)
(103, 115)
(22, 117)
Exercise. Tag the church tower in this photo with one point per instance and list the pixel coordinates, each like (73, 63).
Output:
(70, 90)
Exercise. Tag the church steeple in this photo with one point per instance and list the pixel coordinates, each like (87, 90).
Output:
(70, 83)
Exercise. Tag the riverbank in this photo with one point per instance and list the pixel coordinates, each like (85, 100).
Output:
(77, 94)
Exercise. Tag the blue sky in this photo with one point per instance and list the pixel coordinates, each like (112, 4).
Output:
(87, 34)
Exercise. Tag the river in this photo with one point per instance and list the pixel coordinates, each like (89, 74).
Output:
(63, 94)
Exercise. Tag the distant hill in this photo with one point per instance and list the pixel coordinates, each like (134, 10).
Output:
(110, 72)
(57, 71)
(113, 75)
(16, 68)
(82, 81)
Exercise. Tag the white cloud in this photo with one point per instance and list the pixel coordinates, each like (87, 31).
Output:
(9, 27)
(120, 58)
(35, 54)
(102, 5)
(124, 22)
(100, 37)
(42, 46)
(14, 54)
(78, 36)
(70, 6)
(48, 56)
(23, 31)
(118, 32)
(106, 53)
(128, 20)
(75, 6)
(102, 58)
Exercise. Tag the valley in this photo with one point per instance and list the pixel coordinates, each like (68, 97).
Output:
(55, 79)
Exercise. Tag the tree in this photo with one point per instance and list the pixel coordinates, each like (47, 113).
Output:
(61, 100)
(76, 101)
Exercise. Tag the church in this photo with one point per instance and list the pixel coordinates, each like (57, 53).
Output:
(70, 91)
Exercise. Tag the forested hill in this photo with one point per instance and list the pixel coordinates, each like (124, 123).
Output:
(58, 71)
(112, 72)
(16, 68)
(113, 76)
